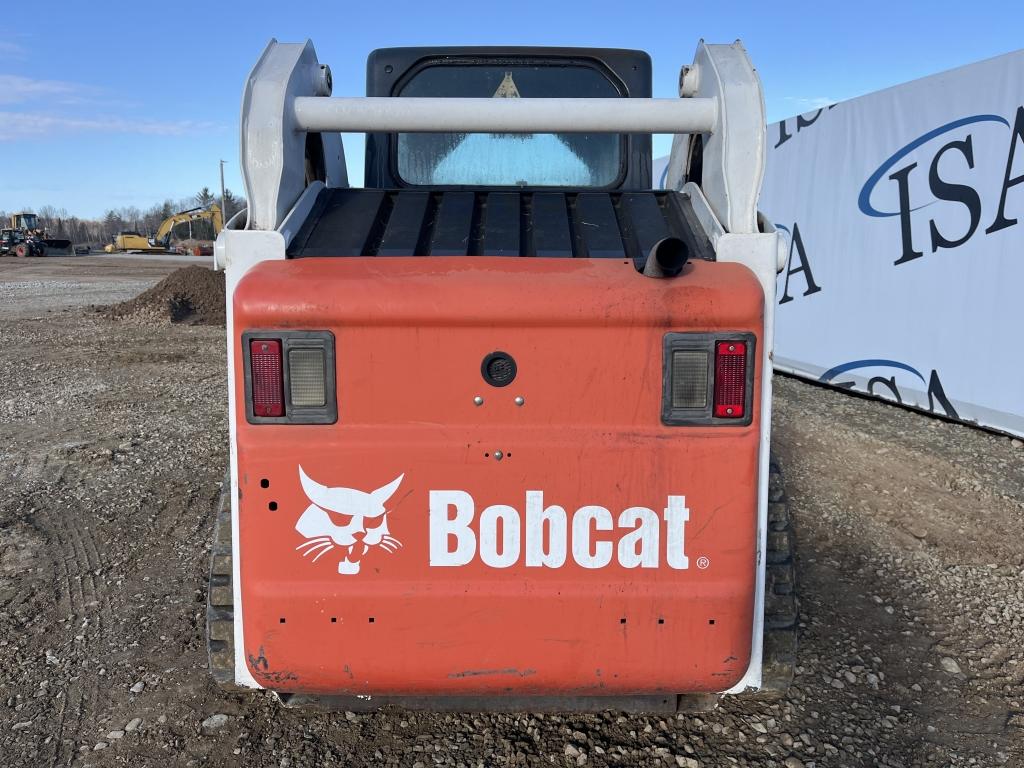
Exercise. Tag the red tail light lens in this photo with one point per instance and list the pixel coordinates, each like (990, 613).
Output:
(730, 379)
(267, 377)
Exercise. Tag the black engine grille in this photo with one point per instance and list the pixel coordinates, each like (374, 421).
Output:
(611, 225)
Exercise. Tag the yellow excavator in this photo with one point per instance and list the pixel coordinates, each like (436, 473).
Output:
(130, 241)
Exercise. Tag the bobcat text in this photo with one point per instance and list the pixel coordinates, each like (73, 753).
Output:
(551, 536)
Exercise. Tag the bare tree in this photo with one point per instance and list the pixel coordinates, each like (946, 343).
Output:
(47, 216)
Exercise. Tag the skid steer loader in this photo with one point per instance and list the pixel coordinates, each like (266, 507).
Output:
(500, 419)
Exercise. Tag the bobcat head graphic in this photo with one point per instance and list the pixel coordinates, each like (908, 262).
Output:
(346, 518)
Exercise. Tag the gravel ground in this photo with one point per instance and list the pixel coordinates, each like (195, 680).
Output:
(113, 438)
(32, 287)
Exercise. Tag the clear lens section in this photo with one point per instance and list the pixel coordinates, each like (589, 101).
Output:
(306, 377)
(689, 378)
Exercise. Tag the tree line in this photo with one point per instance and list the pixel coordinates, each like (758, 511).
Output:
(61, 224)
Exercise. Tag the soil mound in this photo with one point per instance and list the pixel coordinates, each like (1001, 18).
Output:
(192, 295)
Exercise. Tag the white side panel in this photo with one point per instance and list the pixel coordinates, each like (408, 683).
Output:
(240, 250)
(905, 210)
(759, 252)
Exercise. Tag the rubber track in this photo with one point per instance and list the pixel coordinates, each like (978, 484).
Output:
(220, 627)
(781, 607)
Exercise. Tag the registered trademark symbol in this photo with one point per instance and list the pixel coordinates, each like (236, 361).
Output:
(703, 562)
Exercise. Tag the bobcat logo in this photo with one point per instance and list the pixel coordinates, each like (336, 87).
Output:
(345, 517)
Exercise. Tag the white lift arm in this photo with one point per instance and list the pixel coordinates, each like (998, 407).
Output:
(291, 127)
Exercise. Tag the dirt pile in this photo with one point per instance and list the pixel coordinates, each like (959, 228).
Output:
(192, 295)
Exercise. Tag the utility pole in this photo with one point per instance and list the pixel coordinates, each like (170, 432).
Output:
(223, 202)
(223, 213)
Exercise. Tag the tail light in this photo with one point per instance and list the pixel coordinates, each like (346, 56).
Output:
(267, 377)
(707, 379)
(730, 379)
(290, 377)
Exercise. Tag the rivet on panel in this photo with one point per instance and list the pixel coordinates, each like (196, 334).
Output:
(499, 455)
(520, 400)
(478, 400)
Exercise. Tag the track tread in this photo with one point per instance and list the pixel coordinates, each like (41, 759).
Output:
(781, 605)
(220, 626)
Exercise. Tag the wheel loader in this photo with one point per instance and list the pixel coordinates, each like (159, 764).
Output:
(26, 238)
(500, 418)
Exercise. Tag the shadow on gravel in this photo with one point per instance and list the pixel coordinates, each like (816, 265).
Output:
(912, 608)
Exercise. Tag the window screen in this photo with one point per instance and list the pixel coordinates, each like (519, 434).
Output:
(510, 159)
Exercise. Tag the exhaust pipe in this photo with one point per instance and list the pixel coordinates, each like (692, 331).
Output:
(666, 258)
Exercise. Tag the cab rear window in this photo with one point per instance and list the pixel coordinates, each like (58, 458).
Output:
(510, 159)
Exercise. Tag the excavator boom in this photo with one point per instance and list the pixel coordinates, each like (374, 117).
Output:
(211, 214)
(161, 241)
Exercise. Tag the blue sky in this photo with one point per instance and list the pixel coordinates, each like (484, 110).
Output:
(109, 104)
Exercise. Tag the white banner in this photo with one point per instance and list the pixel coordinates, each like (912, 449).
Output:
(905, 213)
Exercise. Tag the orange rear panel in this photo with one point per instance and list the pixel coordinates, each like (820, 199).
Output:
(644, 584)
